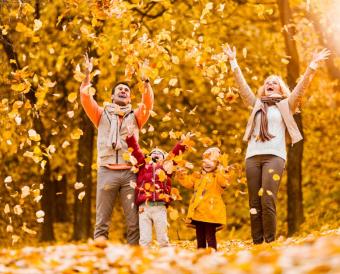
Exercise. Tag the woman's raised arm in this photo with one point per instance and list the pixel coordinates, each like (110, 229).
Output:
(246, 94)
(297, 93)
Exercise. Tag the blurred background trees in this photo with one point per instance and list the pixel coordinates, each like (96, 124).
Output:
(47, 144)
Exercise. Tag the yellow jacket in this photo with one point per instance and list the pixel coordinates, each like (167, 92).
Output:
(206, 205)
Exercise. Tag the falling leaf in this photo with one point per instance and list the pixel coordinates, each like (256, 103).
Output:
(8, 179)
(157, 81)
(81, 195)
(161, 175)
(17, 210)
(173, 82)
(269, 192)
(253, 211)
(72, 97)
(147, 186)
(33, 135)
(133, 184)
(168, 166)
(7, 209)
(173, 214)
(76, 133)
(260, 193)
(25, 191)
(40, 214)
(244, 52)
(78, 185)
(276, 177)
(37, 24)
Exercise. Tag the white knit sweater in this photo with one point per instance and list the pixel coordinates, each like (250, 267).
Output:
(275, 146)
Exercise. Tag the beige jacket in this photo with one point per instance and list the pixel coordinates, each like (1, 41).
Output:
(287, 107)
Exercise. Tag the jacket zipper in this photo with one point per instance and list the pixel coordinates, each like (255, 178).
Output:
(153, 181)
(117, 139)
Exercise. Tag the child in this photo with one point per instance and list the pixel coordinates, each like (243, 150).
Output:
(207, 210)
(153, 190)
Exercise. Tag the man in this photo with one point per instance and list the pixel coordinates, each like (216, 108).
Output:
(114, 173)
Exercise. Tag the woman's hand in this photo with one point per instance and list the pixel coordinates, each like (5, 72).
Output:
(231, 53)
(319, 56)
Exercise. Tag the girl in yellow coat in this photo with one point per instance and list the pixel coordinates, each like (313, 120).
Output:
(207, 211)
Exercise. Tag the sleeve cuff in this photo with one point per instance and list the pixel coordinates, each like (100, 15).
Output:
(313, 65)
(233, 64)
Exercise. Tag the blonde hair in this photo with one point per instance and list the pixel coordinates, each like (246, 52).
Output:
(285, 91)
(212, 152)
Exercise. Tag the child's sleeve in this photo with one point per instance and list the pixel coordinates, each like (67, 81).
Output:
(222, 178)
(178, 149)
(136, 152)
(185, 180)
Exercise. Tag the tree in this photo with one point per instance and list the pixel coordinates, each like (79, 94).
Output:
(295, 153)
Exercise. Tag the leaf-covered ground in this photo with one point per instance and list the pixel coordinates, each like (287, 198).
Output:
(316, 253)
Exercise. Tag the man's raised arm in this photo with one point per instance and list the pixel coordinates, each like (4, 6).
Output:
(142, 113)
(91, 108)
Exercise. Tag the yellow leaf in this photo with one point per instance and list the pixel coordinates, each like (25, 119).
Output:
(72, 97)
(260, 193)
(27, 9)
(166, 118)
(244, 52)
(81, 195)
(161, 175)
(147, 186)
(37, 24)
(276, 177)
(173, 82)
(175, 59)
(269, 192)
(126, 156)
(173, 214)
(75, 135)
(33, 135)
(20, 27)
(285, 61)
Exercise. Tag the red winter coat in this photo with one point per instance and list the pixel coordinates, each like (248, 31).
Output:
(149, 187)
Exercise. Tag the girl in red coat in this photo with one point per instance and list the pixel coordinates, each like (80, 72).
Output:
(153, 190)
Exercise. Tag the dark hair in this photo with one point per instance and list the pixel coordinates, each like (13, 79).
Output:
(119, 83)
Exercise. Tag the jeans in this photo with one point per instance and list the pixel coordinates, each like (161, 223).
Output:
(110, 184)
(263, 171)
(156, 215)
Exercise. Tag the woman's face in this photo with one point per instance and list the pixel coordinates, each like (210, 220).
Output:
(272, 86)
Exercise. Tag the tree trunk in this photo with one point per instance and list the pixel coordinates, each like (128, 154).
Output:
(61, 214)
(295, 153)
(48, 205)
(82, 228)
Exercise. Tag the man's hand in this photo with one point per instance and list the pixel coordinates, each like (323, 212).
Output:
(88, 64)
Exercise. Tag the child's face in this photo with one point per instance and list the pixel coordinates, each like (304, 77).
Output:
(209, 165)
(210, 159)
(156, 156)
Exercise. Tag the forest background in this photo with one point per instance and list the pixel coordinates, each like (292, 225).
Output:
(47, 144)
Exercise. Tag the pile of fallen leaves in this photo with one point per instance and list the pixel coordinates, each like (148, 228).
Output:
(312, 254)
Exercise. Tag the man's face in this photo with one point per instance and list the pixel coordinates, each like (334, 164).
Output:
(121, 95)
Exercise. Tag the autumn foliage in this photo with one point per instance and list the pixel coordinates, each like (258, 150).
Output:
(47, 143)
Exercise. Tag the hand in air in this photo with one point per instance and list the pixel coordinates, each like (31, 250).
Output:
(231, 53)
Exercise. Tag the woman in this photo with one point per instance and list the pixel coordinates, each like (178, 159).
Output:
(271, 117)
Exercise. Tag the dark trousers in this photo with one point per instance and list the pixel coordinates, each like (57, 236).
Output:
(205, 234)
(263, 171)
